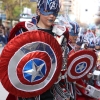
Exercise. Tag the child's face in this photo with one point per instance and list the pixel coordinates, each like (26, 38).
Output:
(47, 21)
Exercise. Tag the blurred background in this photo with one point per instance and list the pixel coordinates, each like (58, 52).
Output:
(83, 11)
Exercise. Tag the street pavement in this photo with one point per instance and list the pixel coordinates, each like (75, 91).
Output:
(3, 92)
(1, 49)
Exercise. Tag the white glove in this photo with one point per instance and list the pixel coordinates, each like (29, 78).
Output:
(93, 92)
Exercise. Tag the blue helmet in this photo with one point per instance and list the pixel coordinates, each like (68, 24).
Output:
(47, 7)
(75, 29)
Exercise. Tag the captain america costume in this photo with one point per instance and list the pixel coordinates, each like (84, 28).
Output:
(23, 29)
(24, 26)
(34, 20)
(81, 91)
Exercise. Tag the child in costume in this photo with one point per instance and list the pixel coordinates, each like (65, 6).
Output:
(47, 11)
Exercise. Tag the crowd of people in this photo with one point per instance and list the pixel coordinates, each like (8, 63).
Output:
(90, 39)
(72, 42)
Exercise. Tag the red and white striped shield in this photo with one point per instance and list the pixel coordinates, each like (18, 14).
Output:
(30, 63)
(80, 64)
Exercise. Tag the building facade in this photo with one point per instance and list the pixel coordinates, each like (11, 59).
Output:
(84, 11)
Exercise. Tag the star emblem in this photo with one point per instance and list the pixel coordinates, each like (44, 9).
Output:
(80, 67)
(35, 71)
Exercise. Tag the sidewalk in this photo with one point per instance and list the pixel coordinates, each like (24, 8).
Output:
(3, 92)
(1, 49)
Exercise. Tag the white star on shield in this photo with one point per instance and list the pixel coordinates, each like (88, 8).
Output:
(81, 67)
(35, 71)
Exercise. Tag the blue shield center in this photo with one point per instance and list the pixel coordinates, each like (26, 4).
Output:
(34, 70)
(80, 67)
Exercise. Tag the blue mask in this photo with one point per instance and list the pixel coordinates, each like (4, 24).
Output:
(47, 7)
(46, 13)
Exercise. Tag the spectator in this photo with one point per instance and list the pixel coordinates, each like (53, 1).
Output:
(2, 34)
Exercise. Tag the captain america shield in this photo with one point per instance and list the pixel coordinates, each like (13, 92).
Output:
(80, 64)
(30, 64)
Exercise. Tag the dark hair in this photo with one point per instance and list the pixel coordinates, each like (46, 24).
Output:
(2, 26)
